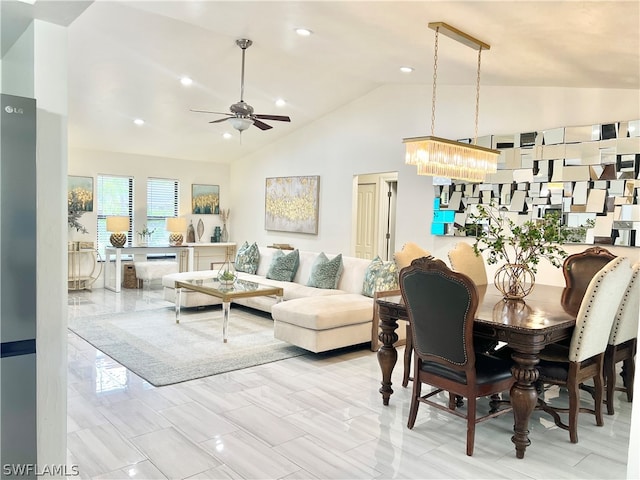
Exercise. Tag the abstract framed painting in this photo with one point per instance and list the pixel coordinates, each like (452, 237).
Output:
(80, 193)
(205, 199)
(291, 204)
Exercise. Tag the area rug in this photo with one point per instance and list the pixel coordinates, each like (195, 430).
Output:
(152, 345)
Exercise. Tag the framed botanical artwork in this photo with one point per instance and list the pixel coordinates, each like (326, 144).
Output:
(291, 204)
(80, 193)
(205, 199)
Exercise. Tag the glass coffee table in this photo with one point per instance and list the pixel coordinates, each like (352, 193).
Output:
(239, 289)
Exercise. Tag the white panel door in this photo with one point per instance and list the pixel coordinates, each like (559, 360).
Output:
(366, 221)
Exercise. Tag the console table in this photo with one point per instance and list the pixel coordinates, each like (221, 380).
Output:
(84, 268)
(206, 254)
(118, 252)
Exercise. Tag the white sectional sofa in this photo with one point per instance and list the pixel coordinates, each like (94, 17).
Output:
(315, 319)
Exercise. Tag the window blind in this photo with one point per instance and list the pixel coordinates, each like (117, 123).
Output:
(114, 198)
(162, 202)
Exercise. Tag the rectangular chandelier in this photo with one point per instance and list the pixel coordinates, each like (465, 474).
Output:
(447, 158)
(440, 157)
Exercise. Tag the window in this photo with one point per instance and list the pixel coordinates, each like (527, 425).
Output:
(162, 202)
(114, 197)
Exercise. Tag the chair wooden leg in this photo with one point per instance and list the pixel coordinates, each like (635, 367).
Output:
(598, 381)
(610, 377)
(415, 399)
(629, 370)
(408, 350)
(471, 423)
(574, 407)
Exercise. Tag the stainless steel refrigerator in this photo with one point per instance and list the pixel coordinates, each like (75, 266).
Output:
(18, 287)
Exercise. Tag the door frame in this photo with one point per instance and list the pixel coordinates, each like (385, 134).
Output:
(384, 215)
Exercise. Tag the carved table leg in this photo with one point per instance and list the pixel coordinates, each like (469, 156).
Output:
(523, 398)
(387, 354)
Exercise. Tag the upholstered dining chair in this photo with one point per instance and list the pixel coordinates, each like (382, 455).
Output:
(583, 359)
(442, 305)
(463, 259)
(578, 270)
(403, 258)
(623, 342)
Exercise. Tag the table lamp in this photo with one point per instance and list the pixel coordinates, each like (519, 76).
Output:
(175, 226)
(119, 226)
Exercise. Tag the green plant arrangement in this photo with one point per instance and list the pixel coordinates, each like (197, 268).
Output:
(521, 247)
(145, 233)
(227, 276)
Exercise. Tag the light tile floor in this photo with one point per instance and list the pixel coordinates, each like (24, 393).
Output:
(315, 416)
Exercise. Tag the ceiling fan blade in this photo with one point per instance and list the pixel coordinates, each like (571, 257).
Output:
(281, 118)
(207, 111)
(261, 125)
(220, 120)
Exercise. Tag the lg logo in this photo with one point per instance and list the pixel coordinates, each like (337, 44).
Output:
(10, 109)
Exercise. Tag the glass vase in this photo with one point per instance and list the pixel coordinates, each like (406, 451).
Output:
(515, 281)
(227, 274)
(224, 235)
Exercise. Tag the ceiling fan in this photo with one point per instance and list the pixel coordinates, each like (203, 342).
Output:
(242, 116)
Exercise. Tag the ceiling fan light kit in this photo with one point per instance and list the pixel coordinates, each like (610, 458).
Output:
(448, 158)
(240, 123)
(242, 116)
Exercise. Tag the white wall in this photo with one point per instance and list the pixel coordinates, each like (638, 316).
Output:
(50, 80)
(366, 135)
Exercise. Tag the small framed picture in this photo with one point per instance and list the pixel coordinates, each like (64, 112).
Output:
(205, 199)
(80, 193)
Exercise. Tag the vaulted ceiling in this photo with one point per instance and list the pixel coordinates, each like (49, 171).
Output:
(126, 59)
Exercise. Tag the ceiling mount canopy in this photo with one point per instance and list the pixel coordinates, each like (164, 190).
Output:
(449, 158)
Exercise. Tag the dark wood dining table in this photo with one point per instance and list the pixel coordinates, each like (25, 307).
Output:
(526, 326)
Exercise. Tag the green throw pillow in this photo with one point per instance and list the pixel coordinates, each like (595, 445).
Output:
(325, 273)
(379, 277)
(247, 258)
(284, 267)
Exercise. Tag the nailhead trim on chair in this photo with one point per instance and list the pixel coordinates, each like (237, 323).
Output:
(588, 310)
(625, 299)
(466, 354)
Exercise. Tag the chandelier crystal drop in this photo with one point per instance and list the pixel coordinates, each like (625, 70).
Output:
(445, 158)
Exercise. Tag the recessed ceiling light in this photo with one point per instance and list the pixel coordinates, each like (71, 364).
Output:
(138, 121)
(303, 32)
(226, 135)
(186, 81)
(280, 102)
(406, 69)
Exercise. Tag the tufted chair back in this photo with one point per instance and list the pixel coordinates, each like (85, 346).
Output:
(464, 259)
(625, 325)
(441, 305)
(598, 310)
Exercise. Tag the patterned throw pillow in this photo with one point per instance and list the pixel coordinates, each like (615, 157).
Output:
(325, 273)
(284, 267)
(379, 277)
(247, 258)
